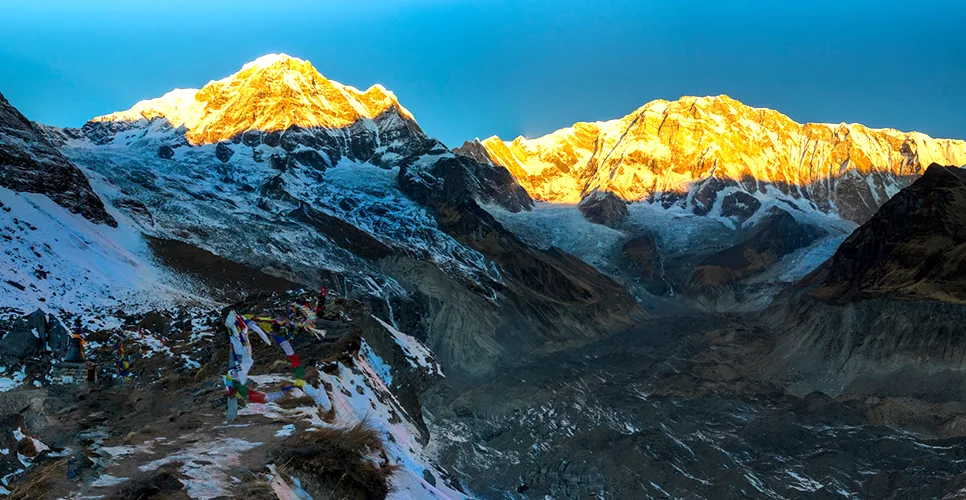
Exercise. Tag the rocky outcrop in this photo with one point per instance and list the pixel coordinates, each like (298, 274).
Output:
(32, 334)
(641, 257)
(775, 236)
(343, 234)
(454, 179)
(687, 151)
(605, 209)
(740, 206)
(914, 247)
(223, 152)
(29, 163)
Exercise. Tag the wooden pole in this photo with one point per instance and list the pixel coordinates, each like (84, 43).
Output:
(232, 398)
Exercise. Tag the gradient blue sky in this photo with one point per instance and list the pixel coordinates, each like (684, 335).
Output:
(476, 68)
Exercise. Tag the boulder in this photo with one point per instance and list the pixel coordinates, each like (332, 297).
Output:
(24, 338)
(165, 152)
(223, 152)
(58, 336)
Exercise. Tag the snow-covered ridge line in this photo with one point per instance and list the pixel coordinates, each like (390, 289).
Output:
(675, 149)
(273, 92)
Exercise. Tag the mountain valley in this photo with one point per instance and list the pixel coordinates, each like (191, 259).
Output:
(699, 300)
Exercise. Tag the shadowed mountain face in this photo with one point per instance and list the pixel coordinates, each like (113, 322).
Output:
(697, 150)
(778, 234)
(29, 163)
(884, 315)
(914, 247)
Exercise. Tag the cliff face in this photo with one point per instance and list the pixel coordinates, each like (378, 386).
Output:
(29, 163)
(914, 247)
(884, 315)
(697, 151)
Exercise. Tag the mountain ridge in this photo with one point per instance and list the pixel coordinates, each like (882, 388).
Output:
(271, 93)
(689, 150)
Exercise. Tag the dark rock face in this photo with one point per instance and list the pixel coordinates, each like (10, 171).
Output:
(739, 205)
(605, 209)
(343, 234)
(777, 235)
(913, 247)
(475, 151)
(539, 284)
(225, 280)
(32, 335)
(884, 315)
(454, 179)
(282, 163)
(223, 152)
(165, 152)
(20, 342)
(642, 254)
(29, 163)
(274, 189)
(705, 196)
(641, 258)
(311, 158)
(135, 208)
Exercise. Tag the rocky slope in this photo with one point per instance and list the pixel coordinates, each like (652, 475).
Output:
(883, 315)
(706, 153)
(29, 163)
(914, 247)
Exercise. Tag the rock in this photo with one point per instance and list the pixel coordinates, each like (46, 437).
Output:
(158, 322)
(913, 246)
(20, 342)
(311, 158)
(165, 152)
(223, 152)
(343, 234)
(37, 321)
(57, 336)
(605, 209)
(29, 163)
(475, 150)
(274, 189)
(641, 256)
(706, 195)
(457, 179)
(282, 163)
(135, 208)
(740, 206)
(776, 235)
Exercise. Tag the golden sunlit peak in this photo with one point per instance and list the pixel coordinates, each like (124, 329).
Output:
(271, 93)
(670, 146)
(270, 60)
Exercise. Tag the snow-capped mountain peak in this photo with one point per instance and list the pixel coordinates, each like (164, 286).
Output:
(691, 149)
(272, 93)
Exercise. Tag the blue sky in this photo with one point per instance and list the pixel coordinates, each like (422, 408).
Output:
(477, 68)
